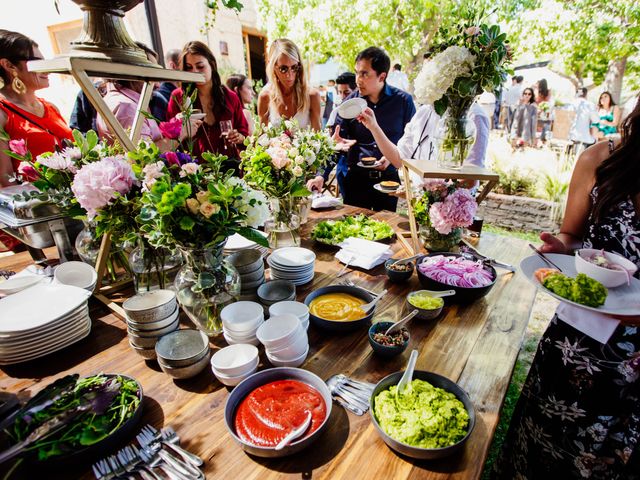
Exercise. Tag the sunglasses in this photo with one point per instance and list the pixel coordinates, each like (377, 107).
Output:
(284, 69)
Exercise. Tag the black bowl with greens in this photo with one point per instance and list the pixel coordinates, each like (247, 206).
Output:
(332, 232)
(97, 414)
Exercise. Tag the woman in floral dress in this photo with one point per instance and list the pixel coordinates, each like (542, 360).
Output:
(578, 415)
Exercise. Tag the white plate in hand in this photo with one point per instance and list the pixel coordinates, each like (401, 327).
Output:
(623, 300)
(373, 165)
(352, 108)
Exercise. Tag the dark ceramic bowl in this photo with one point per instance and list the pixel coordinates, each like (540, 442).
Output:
(437, 381)
(396, 276)
(383, 350)
(463, 294)
(332, 325)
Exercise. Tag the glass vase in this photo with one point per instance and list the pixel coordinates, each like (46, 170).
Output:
(206, 284)
(283, 228)
(153, 268)
(88, 247)
(454, 137)
(303, 206)
(435, 241)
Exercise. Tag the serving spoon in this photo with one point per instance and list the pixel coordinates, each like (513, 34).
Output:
(408, 373)
(368, 306)
(396, 326)
(403, 261)
(295, 433)
(436, 293)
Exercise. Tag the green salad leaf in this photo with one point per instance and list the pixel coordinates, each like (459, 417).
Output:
(332, 232)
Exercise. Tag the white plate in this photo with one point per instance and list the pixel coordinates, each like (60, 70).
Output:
(293, 257)
(623, 300)
(50, 330)
(238, 242)
(34, 355)
(352, 108)
(379, 188)
(38, 306)
(362, 165)
(16, 284)
(46, 342)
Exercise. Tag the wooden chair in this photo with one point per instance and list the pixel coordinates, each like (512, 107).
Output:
(560, 142)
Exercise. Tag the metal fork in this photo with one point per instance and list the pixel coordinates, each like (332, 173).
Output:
(152, 460)
(349, 283)
(102, 470)
(171, 439)
(149, 441)
(132, 463)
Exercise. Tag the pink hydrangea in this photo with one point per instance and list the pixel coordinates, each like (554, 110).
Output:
(96, 184)
(434, 185)
(171, 129)
(19, 147)
(457, 210)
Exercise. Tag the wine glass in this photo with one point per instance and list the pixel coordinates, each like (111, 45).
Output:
(225, 128)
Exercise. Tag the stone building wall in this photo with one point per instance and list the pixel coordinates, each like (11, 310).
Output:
(520, 213)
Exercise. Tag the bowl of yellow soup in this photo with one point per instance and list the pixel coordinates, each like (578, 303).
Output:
(336, 308)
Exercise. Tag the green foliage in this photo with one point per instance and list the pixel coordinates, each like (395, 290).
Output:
(514, 181)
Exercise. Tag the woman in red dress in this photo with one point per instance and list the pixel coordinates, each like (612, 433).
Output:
(219, 104)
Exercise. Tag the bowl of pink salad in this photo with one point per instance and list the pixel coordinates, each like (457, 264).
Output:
(610, 269)
(470, 279)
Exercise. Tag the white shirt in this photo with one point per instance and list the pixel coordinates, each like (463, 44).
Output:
(398, 79)
(581, 128)
(513, 94)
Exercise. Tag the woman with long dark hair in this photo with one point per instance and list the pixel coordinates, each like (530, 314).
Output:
(609, 114)
(224, 126)
(545, 108)
(242, 86)
(523, 126)
(578, 415)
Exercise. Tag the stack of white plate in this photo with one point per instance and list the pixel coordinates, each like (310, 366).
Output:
(285, 340)
(298, 309)
(240, 321)
(237, 242)
(294, 264)
(41, 320)
(150, 315)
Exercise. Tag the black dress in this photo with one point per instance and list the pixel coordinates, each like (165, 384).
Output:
(578, 415)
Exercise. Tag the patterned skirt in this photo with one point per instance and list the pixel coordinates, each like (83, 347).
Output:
(578, 415)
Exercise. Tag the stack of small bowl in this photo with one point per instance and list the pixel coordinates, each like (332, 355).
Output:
(250, 266)
(150, 316)
(285, 340)
(240, 321)
(298, 309)
(276, 291)
(233, 364)
(183, 353)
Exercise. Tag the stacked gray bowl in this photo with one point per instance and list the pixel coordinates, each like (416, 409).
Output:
(250, 265)
(150, 316)
(183, 353)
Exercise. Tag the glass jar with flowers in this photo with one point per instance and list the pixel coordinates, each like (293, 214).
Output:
(196, 207)
(441, 213)
(278, 160)
(467, 61)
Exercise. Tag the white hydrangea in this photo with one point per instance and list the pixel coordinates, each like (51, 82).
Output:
(439, 73)
(255, 214)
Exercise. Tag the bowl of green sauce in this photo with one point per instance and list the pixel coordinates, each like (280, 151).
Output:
(428, 307)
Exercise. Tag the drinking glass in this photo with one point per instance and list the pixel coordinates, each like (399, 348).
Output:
(225, 128)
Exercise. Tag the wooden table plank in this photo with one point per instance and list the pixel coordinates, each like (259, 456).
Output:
(475, 345)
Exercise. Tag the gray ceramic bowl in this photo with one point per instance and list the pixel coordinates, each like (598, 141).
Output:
(156, 324)
(423, 313)
(437, 381)
(180, 373)
(143, 342)
(150, 306)
(340, 326)
(253, 276)
(276, 291)
(182, 347)
(146, 353)
(253, 285)
(247, 261)
(256, 380)
(154, 333)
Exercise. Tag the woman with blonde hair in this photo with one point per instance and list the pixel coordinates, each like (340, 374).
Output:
(287, 95)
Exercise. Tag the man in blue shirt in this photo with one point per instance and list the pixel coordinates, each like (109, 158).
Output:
(394, 108)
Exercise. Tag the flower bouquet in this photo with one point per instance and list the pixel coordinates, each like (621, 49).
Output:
(278, 160)
(442, 211)
(469, 59)
(196, 207)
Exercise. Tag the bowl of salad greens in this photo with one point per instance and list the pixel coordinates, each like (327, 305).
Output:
(74, 420)
(332, 232)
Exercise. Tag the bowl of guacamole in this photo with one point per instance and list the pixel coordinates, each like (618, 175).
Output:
(432, 420)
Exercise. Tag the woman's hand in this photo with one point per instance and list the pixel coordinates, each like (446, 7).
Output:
(384, 163)
(235, 137)
(552, 244)
(368, 119)
(342, 144)
(189, 129)
(316, 184)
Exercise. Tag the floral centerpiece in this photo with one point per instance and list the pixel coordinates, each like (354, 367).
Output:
(278, 160)
(196, 207)
(468, 60)
(442, 211)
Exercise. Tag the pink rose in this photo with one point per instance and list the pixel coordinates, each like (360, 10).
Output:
(279, 157)
(19, 147)
(171, 129)
(26, 170)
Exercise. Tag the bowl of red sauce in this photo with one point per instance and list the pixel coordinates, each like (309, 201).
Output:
(264, 408)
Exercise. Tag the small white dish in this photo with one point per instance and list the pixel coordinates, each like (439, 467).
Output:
(242, 317)
(607, 277)
(16, 284)
(293, 349)
(292, 257)
(231, 381)
(381, 189)
(253, 340)
(77, 274)
(362, 165)
(279, 331)
(352, 108)
(296, 362)
(298, 309)
(235, 360)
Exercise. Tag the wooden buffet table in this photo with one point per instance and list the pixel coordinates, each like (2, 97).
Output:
(474, 345)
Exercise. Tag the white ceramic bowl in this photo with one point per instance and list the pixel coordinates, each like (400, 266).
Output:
(150, 306)
(234, 341)
(298, 309)
(296, 362)
(77, 274)
(279, 331)
(293, 349)
(239, 336)
(608, 278)
(242, 317)
(232, 381)
(235, 360)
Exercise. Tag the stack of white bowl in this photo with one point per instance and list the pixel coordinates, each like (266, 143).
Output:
(240, 321)
(298, 309)
(233, 364)
(78, 274)
(250, 265)
(285, 340)
(150, 315)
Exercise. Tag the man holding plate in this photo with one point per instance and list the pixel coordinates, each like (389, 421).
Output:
(394, 109)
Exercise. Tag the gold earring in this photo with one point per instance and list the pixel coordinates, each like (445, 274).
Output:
(18, 85)
(1, 83)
